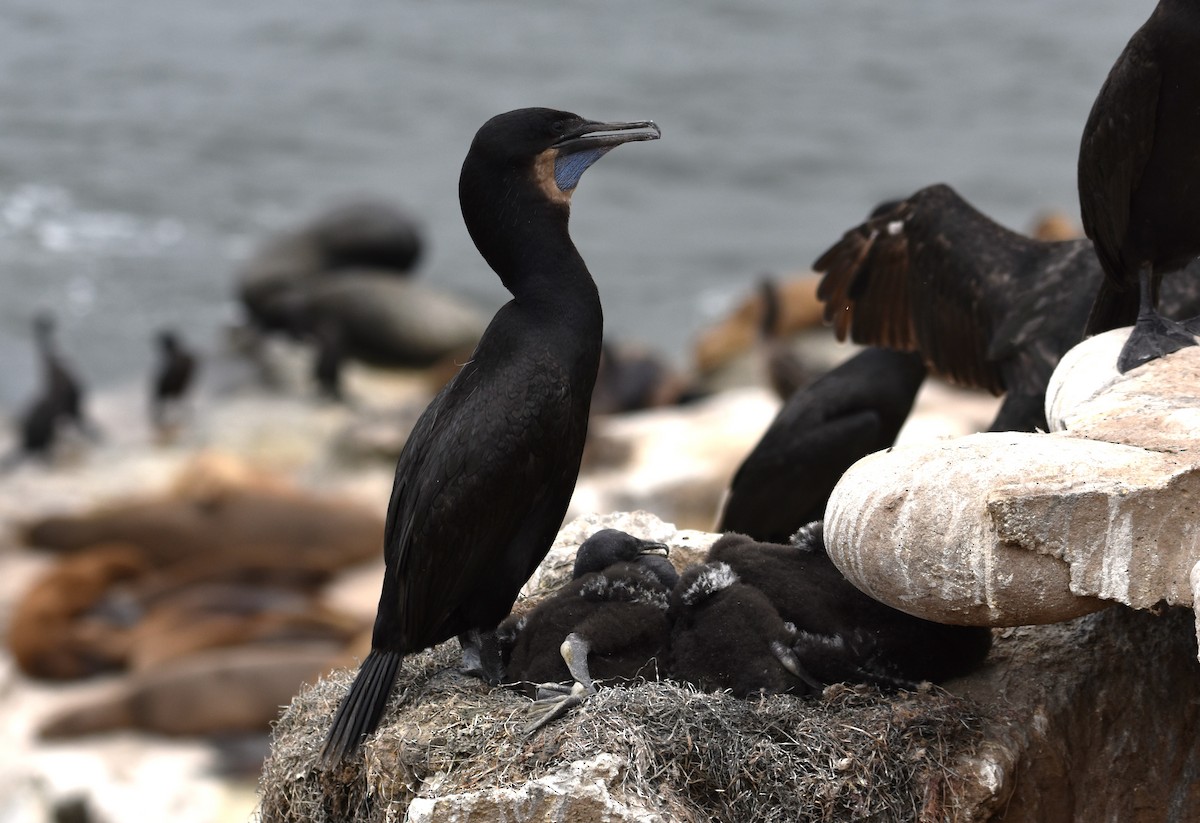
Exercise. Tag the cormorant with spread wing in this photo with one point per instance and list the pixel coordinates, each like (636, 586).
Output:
(985, 306)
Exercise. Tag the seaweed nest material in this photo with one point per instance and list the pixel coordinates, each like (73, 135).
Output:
(673, 753)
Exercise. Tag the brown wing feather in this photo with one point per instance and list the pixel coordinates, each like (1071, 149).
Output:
(930, 274)
(865, 286)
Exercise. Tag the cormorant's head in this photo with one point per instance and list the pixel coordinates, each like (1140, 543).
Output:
(167, 341)
(609, 546)
(555, 147)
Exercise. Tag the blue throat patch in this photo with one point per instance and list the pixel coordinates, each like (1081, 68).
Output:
(569, 168)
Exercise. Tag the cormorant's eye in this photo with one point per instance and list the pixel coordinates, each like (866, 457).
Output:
(559, 127)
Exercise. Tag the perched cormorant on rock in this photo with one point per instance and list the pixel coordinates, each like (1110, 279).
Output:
(608, 623)
(841, 633)
(726, 634)
(1139, 179)
(985, 306)
(60, 398)
(849, 412)
(484, 480)
(176, 370)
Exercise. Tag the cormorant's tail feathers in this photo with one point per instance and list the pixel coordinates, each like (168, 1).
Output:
(362, 707)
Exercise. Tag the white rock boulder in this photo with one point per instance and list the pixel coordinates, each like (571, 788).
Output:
(1007, 529)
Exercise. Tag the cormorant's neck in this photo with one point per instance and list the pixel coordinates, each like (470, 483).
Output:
(524, 238)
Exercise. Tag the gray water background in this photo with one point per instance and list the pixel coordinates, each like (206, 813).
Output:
(146, 148)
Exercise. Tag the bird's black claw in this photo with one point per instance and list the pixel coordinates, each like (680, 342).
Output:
(552, 708)
(1154, 336)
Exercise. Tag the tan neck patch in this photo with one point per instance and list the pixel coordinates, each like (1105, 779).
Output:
(543, 175)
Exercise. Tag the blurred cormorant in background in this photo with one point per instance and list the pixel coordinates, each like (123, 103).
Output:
(173, 378)
(1139, 179)
(60, 399)
(845, 414)
(484, 480)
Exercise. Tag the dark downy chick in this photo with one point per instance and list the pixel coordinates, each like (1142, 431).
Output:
(726, 635)
(843, 634)
(609, 623)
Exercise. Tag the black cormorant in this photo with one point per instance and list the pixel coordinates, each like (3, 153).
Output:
(726, 634)
(843, 634)
(985, 306)
(484, 480)
(60, 398)
(849, 412)
(173, 378)
(1139, 179)
(608, 623)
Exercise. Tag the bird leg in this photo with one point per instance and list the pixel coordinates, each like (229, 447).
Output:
(574, 651)
(1153, 335)
(481, 656)
(792, 663)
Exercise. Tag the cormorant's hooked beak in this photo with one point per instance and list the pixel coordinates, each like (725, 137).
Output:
(648, 547)
(589, 141)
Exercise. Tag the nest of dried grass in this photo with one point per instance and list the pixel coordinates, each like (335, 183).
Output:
(853, 754)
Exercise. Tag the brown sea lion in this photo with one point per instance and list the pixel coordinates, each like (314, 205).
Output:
(215, 692)
(241, 528)
(214, 615)
(54, 633)
(740, 330)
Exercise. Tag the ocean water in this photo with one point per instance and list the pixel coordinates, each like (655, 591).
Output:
(145, 149)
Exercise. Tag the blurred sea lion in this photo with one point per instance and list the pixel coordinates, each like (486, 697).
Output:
(1052, 226)
(214, 615)
(53, 633)
(366, 232)
(221, 691)
(239, 528)
(346, 275)
(632, 378)
(378, 319)
(740, 331)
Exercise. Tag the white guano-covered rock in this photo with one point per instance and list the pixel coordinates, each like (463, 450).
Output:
(1010, 528)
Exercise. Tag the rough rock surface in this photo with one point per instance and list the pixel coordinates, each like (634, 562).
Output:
(1008, 529)
(1089, 719)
